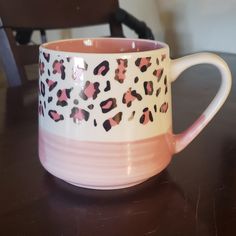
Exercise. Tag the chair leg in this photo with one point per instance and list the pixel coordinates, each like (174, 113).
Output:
(8, 61)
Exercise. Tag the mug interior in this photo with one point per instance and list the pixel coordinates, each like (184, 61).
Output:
(103, 45)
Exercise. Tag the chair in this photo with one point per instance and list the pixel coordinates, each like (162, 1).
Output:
(43, 15)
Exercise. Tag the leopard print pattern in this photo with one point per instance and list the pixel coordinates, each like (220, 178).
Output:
(93, 87)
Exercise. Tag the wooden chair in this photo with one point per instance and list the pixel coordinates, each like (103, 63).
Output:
(42, 15)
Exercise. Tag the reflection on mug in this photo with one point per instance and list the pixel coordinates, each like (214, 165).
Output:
(157, 207)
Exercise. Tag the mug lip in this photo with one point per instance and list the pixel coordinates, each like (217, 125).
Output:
(163, 45)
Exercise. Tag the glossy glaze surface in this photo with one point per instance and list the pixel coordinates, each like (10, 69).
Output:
(124, 96)
(112, 93)
(104, 165)
(105, 112)
(103, 45)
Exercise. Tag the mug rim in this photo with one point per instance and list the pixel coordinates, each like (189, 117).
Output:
(159, 46)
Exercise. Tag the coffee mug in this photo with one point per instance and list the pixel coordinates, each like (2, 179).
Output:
(105, 116)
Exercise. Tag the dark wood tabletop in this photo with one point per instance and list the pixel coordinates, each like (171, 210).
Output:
(195, 195)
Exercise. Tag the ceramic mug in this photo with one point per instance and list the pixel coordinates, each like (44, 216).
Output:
(105, 116)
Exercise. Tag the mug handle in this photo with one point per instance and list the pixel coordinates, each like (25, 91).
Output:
(177, 67)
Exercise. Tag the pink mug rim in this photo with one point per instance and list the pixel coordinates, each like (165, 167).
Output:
(147, 45)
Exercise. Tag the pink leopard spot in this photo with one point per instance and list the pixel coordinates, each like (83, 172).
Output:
(79, 114)
(108, 105)
(121, 70)
(158, 73)
(57, 67)
(146, 116)
(63, 95)
(130, 96)
(90, 90)
(143, 63)
(55, 115)
(101, 69)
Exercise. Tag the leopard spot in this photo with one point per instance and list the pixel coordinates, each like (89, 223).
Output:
(131, 116)
(46, 56)
(78, 114)
(41, 67)
(165, 80)
(143, 63)
(91, 90)
(164, 107)
(95, 122)
(51, 84)
(40, 109)
(108, 86)
(120, 72)
(113, 121)
(76, 101)
(90, 107)
(108, 105)
(158, 92)
(158, 73)
(42, 88)
(55, 115)
(146, 117)
(59, 68)
(166, 90)
(49, 99)
(102, 68)
(155, 108)
(63, 95)
(163, 57)
(130, 96)
(148, 87)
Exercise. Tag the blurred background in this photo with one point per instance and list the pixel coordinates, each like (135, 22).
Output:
(186, 25)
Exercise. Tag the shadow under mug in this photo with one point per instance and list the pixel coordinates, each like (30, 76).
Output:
(105, 115)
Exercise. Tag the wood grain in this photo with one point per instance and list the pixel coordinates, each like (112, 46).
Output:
(195, 195)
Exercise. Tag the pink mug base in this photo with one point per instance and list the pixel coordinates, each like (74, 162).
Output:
(107, 187)
(104, 165)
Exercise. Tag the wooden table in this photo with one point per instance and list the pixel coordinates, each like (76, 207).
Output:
(195, 195)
